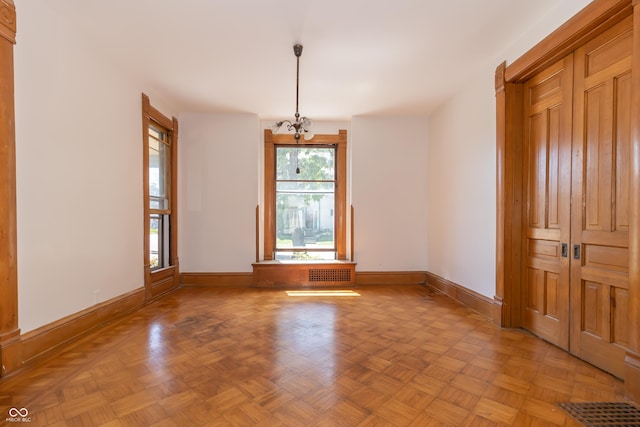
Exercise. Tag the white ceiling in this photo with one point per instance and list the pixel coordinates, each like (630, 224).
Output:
(360, 56)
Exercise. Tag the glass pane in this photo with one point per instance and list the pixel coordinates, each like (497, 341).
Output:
(307, 255)
(305, 215)
(158, 169)
(159, 234)
(314, 163)
(157, 133)
(305, 187)
(158, 203)
(155, 239)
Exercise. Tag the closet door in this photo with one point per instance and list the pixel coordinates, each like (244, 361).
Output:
(547, 169)
(600, 200)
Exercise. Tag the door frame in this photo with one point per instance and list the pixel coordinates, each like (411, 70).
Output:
(594, 19)
(10, 342)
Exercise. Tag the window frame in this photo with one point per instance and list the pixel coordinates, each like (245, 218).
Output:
(159, 280)
(340, 211)
(333, 181)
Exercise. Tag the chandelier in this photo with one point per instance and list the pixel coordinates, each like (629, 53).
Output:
(301, 125)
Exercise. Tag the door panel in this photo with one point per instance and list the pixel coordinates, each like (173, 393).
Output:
(547, 136)
(600, 199)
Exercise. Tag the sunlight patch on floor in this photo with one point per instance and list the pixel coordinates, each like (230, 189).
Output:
(323, 293)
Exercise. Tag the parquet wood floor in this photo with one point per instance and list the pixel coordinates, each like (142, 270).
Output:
(240, 357)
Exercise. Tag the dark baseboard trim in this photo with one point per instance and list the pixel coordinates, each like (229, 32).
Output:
(632, 376)
(480, 303)
(365, 278)
(216, 279)
(47, 339)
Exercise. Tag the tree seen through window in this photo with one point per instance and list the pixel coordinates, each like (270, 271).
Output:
(305, 202)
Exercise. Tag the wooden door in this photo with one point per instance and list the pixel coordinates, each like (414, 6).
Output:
(600, 200)
(547, 171)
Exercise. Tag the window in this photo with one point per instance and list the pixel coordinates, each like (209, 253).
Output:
(305, 203)
(159, 196)
(160, 136)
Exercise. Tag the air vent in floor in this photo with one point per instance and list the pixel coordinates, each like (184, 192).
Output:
(603, 414)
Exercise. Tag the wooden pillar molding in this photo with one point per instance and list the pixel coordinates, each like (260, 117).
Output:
(506, 301)
(632, 359)
(499, 312)
(10, 344)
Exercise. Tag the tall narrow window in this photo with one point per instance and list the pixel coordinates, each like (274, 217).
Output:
(159, 196)
(160, 137)
(305, 197)
(305, 202)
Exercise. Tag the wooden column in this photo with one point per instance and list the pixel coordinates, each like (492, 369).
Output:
(341, 197)
(10, 345)
(632, 359)
(506, 301)
(269, 195)
(498, 299)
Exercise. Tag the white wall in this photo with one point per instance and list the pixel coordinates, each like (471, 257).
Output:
(461, 167)
(389, 193)
(461, 191)
(79, 171)
(218, 179)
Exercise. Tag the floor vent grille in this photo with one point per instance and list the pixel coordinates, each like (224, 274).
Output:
(329, 275)
(603, 414)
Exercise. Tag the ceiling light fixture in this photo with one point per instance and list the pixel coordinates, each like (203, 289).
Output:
(301, 125)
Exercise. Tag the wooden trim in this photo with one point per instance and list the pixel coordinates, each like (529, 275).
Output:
(318, 139)
(365, 278)
(154, 114)
(10, 347)
(245, 279)
(162, 281)
(270, 141)
(158, 282)
(216, 279)
(341, 197)
(352, 240)
(305, 274)
(509, 217)
(10, 352)
(173, 249)
(593, 19)
(632, 376)
(50, 338)
(471, 299)
(632, 359)
(500, 314)
(258, 233)
(269, 194)
(146, 107)
(8, 22)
